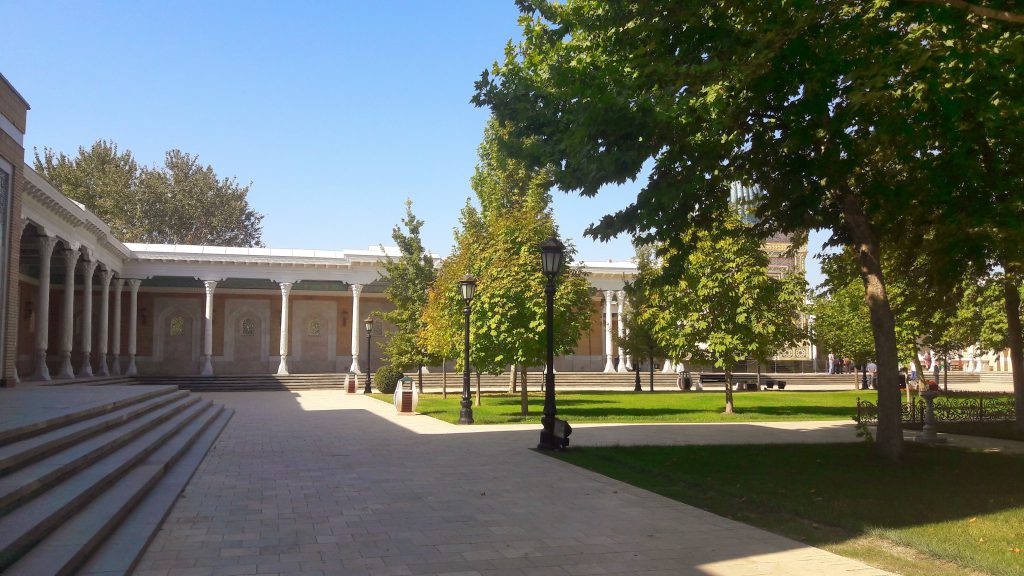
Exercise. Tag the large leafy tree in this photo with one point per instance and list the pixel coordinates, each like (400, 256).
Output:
(407, 278)
(639, 339)
(842, 323)
(180, 202)
(840, 111)
(725, 307)
(499, 245)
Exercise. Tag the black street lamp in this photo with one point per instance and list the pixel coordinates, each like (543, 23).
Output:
(551, 254)
(467, 286)
(368, 323)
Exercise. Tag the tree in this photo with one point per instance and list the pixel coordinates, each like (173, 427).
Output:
(407, 279)
(499, 245)
(842, 323)
(840, 111)
(725, 307)
(638, 339)
(182, 202)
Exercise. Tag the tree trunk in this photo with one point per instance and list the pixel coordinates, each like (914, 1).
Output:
(1011, 295)
(524, 398)
(652, 371)
(945, 373)
(420, 382)
(512, 379)
(477, 388)
(889, 435)
(728, 392)
(444, 378)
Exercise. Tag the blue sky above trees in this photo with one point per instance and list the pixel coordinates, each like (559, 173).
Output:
(335, 111)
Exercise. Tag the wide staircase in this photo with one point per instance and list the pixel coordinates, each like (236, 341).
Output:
(86, 491)
(247, 382)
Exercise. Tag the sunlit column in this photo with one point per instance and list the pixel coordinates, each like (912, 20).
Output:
(357, 290)
(207, 370)
(609, 365)
(89, 268)
(286, 288)
(133, 325)
(621, 297)
(71, 255)
(101, 353)
(46, 245)
(115, 344)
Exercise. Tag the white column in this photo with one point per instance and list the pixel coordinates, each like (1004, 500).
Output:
(667, 367)
(115, 344)
(46, 244)
(357, 289)
(133, 325)
(286, 288)
(621, 297)
(609, 365)
(207, 369)
(101, 353)
(89, 269)
(68, 313)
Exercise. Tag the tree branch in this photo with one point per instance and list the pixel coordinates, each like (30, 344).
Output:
(1004, 15)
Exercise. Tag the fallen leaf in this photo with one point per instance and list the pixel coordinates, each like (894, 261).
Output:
(972, 520)
(1015, 550)
(981, 540)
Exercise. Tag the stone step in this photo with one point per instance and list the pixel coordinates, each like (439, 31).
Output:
(34, 520)
(67, 547)
(122, 550)
(17, 487)
(16, 433)
(18, 454)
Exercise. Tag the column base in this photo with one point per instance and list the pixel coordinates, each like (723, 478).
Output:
(207, 366)
(103, 371)
(282, 369)
(132, 369)
(667, 368)
(609, 366)
(42, 371)
(355, 367)
(115, 365)
(86, 370)
(67, 372)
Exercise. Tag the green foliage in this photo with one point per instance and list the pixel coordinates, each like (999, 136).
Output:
(638, 339)
(386, 378)
(407, 279)
(181, 202)
(726, 307)
(499, 246)
(842, 323)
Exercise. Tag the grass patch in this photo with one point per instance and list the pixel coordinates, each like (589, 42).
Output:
(637, 407)
(941, 512)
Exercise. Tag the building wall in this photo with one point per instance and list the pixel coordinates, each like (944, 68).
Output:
(15, 110)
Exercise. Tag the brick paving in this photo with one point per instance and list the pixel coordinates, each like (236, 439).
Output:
(319, 483)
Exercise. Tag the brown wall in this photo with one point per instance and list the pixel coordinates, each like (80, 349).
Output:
(15, 109)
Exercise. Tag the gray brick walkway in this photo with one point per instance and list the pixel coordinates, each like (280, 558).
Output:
(323, 483)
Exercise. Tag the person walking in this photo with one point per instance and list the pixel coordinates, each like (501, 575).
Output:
(831, 363)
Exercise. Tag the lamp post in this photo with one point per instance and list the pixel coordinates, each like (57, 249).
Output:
(467, 286)
(368, 323)
(551, 253)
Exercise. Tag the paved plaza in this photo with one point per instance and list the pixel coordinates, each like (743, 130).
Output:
(323, 483)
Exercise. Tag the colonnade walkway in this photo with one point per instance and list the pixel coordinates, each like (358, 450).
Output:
(319, 482)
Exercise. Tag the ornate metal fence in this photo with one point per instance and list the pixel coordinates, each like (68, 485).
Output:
(947, 409)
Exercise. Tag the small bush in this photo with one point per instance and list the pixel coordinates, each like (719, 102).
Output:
(386, 379)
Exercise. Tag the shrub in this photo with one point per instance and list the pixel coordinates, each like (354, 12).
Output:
(386, 379)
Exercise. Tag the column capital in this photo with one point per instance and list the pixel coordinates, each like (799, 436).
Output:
(106, 275)
(620, 294)
(133, 284)
(90, 268)
(286, 288)
(118, 284)
(47, 243)
(71, 245)
(210, 286)
(357, 289)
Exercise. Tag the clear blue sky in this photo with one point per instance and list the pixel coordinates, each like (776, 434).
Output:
(336, 112)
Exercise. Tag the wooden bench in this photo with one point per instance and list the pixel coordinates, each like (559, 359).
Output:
(740, 381)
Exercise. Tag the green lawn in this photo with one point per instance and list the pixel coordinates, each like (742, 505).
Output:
(942, 512)
(634, 407)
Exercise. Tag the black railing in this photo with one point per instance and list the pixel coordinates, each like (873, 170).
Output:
(980, 408)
